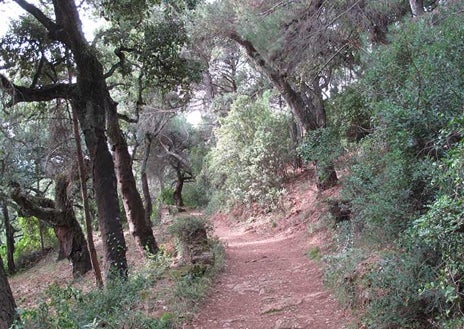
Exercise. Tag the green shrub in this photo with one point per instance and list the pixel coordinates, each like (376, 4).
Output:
(405, 185)
(112, 307)
(188, 227)
(30, 239)
(322, 146)
(348, 111)
(379, 190)
(338, 275)
(253, 149)
(396, 300)
(440, 233)
(195, 195)
(167, 196)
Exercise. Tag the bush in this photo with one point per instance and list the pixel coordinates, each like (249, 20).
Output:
(380, 193)
(112, 307)
(252, 152)
(396, 299)
(195, 195)
(29, 242)
(339, 272)
(321, 146)
(348, 111)
(167, 196)
(406, 182)
(187, 228)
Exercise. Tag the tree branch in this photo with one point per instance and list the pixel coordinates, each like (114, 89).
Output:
(126, 118)
(122, 60)
(51, 26)
(37, 207)
(21, 94)
(176, 156)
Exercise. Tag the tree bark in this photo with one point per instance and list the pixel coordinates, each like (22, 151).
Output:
(133, 205)
(104, 182)
(85, 201)
(93, 103)
(7, 302)
(144, 180)
(10, 243)
(178, 189)
(306, 105)
(62, 218)
(417, 7)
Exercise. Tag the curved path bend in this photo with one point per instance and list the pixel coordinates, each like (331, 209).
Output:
(268, 283)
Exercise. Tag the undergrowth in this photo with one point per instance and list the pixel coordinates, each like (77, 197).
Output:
(115, 306)
(126, 304)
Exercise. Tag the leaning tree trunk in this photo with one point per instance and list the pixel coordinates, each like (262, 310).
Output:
(106, 197)
(62, 218)
(144, 179)
(7, 302)
(85, 201)
(306, 105)
(133, 205)
(178, 189)
(92, 102)
(10, 243)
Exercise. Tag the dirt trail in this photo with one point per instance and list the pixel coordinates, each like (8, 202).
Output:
(268, 281)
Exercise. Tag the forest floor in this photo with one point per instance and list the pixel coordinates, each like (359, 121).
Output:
(270, 280)
(272, 277)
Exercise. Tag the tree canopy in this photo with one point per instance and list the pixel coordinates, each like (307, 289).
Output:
(367, 93)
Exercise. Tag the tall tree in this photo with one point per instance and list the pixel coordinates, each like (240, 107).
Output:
(158, 47)
(85, 201)
(92, 101)
(301, 46)
(9, 229)
(7, 302)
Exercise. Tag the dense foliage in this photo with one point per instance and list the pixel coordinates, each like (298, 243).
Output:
(252, 151)
(371, 91)
(404, 183)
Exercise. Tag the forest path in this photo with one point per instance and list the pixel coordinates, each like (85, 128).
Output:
(269, 282)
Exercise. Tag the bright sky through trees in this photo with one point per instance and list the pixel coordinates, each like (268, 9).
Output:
(10, 11)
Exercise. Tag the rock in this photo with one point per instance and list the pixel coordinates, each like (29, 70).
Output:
(281, 305)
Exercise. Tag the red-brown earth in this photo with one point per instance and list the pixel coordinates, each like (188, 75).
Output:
(269, 280)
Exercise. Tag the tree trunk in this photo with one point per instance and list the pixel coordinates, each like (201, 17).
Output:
(85, 201)
(178, 189)
(7, 303)
(132, 201)
(106, 197)
(91, 97)
(144, 180)
(62, 218)
(10, 243)
(306, 105)
(40, 224)
(75, 247)
(417, 7)
(92, 102)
